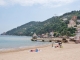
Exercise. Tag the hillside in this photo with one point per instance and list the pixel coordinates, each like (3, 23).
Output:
(55, 24)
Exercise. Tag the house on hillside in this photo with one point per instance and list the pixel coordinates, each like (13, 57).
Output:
(74, 18)
(72, 22)
(64, 19)
(78, 28)
(78, 20)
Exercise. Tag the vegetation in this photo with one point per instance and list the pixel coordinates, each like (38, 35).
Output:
(55, 24)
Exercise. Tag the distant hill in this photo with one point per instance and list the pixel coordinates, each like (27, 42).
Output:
(55, 24)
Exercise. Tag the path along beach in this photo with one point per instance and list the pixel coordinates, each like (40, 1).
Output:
(68, 52)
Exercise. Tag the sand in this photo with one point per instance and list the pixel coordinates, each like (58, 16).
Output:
(68, 52)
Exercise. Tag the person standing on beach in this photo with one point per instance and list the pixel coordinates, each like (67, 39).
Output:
(60, 44)
(52, 43)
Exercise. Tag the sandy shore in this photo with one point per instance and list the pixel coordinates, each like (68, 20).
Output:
(68, 52)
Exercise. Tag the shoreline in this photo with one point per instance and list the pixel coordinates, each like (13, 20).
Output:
(25, 48)
(46, 52)
(22, 48)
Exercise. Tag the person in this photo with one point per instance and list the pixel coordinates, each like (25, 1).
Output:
(52, 43)
(31, 50)
(36, 50)
(60, 44)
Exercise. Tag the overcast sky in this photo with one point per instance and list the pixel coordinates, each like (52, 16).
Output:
(14, 13)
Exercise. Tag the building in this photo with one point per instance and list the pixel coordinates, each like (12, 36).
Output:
(74, 18)
(72, 22)
(64, 19)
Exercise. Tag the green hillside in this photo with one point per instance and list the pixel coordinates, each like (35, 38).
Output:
(55, 24)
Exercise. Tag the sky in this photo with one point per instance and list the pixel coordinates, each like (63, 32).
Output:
(14, 13)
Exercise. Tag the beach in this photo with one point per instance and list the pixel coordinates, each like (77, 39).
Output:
(68, 52)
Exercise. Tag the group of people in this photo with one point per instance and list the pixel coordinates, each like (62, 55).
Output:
(59, 44)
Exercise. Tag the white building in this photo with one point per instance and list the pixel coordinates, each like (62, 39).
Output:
(64, 19)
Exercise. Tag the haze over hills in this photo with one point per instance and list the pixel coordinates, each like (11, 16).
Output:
(58, 24)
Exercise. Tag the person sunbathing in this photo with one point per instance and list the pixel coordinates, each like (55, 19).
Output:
(34, 50)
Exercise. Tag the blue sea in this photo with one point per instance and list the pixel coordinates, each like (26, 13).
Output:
(8, 42)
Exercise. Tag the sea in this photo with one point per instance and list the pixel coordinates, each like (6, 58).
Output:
(14, 42)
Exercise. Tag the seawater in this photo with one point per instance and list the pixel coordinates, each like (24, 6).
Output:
(8, 42)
